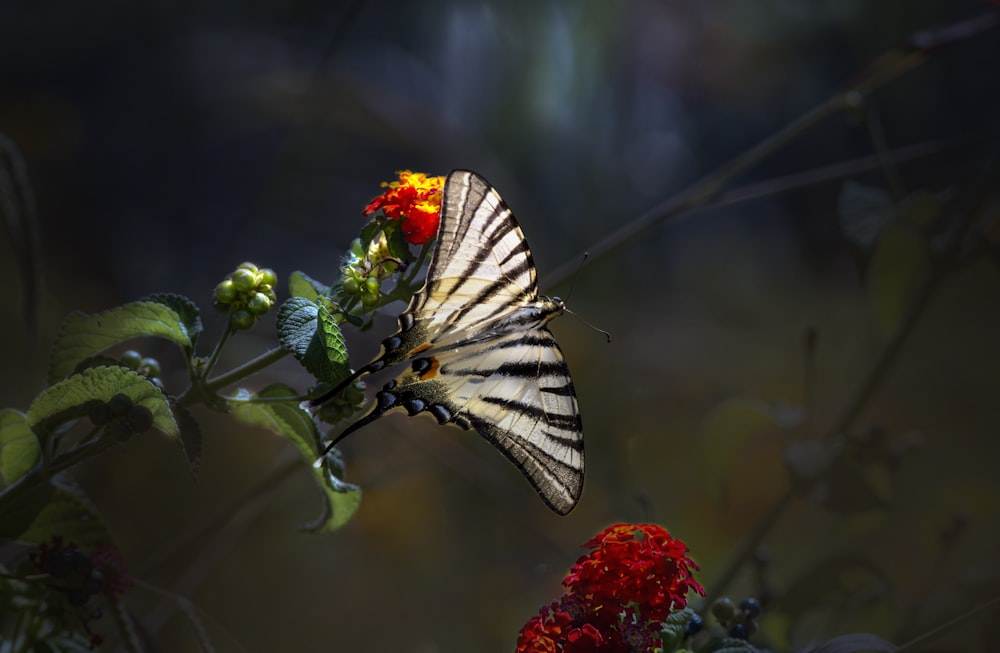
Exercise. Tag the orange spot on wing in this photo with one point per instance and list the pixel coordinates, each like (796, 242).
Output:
(423, 347)
(431, 371)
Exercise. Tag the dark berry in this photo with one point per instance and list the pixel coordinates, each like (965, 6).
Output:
(59, 563)
(694, 625)
(80, 562)
(78, 596)
(750, 607)
(100, 414)
(94, 582)
(723, 609)
(119, 430)
(140, 419)
(738, 631)
(119, 405)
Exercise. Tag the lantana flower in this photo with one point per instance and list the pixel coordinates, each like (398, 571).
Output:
(414, 201)
(617, 595)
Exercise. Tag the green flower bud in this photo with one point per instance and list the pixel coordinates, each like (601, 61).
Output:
(131, 359)
(267, 276)
(149, 368)
(351, 286)
(259, 303)
(248, 265)
(372, 285)
(225, 292)
(244, 280)
(242, 319)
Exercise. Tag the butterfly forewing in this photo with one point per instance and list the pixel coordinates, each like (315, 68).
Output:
(480, 354)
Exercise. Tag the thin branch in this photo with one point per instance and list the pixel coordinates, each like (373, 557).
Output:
(916, 50)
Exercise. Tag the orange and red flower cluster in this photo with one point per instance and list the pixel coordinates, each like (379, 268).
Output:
(414, 201)
(617, 595)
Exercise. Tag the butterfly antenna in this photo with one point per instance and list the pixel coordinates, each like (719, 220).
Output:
(599, 330)
(572, 283)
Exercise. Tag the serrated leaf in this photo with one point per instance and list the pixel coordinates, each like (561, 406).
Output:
(897, 268)
(186, 310)
(84, 335)
(190, 438)
(674, 628)
(726, 432)
(863, 212)
(77, 395)
(310, 332)
(19, 450)
(295, 423)
(36, 515)
(301, 284)
(854, 643)
(98, 361)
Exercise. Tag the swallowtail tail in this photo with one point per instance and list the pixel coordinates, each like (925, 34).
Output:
(478, 350)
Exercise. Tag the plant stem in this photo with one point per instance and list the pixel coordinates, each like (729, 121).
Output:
(246, 369)
(218, 349)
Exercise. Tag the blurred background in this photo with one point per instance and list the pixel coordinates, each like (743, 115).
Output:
(168, 142)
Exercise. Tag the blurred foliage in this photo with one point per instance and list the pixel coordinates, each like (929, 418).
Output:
(166, 142)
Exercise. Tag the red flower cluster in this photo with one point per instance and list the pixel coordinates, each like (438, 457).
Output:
(414, 201)
(617, 596)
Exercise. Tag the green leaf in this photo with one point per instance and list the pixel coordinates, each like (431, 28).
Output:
(310, 332)
(186, 310)
(98, 361)
(84, 335)
(295, 423)
(77, 395)
(674, 628)
(370, 231)
(19, 450)
(864, 211)
(898, 267)
(726, 433)
(302, 285)
(398, 248)
(36, 515)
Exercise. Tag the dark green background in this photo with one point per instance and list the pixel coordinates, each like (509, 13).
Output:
(168, 141)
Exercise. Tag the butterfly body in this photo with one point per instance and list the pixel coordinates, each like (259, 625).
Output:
(480, 354)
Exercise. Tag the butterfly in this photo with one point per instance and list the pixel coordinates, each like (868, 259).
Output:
(478, 350)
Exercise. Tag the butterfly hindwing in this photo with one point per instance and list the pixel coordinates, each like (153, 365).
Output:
(480, 356)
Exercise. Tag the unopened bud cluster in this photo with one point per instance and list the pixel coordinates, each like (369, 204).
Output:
(363, 272)
(246, 293)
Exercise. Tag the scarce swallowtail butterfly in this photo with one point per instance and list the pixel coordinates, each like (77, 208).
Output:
(478, 350)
